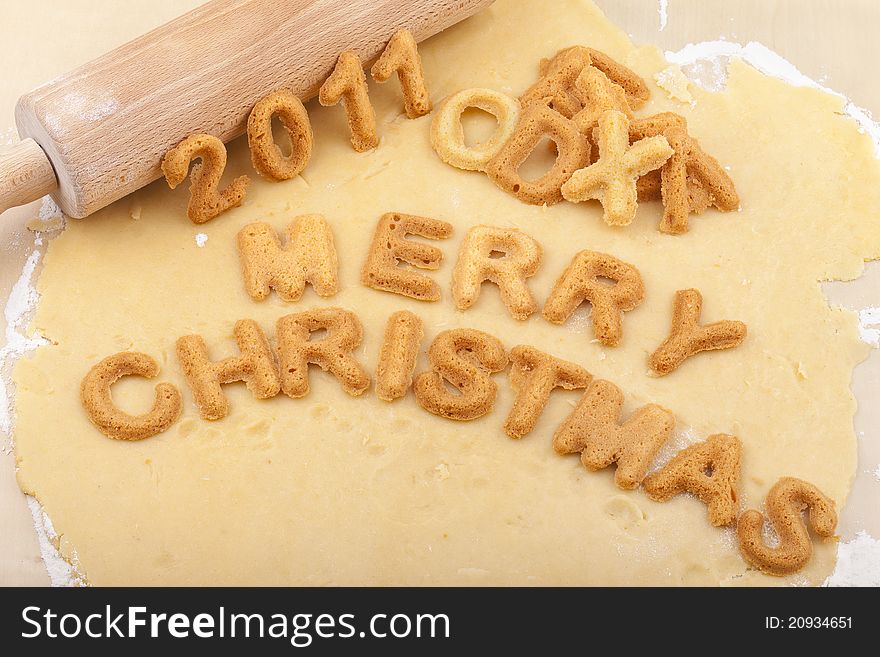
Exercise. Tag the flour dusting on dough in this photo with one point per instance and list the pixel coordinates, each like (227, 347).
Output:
(694, 57)
(22, 301)
(61, 573)
(858, 563)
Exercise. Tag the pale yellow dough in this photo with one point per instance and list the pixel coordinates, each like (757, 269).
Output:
(331, 489)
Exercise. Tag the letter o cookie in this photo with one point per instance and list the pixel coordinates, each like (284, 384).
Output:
(447, 134)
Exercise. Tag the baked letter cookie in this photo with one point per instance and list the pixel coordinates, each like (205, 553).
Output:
(599, 94)
(709, 470)
(535, 122)
(266, 155)
(785, 502)
(691, 179)
(332, 353)
(557, 80)
(308, 257)
(594, 430)
(447, 135)
(255, 366)
(465, 358)
(115, 423)
(689, 337)
(559, 76)
(205, 201)
(402, 55)
(348, 83)
(390, 247)
(534, 375)
(518, 258)
(612, 178)
(397, 359)
(581, 282)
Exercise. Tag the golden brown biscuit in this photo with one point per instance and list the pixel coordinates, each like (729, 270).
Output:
(115, 423)
(464, 358)
(637, 91)
(397, 359)
(447, 135)
(785, 503)
(612, 178)
(599, 94)
(581, 281)
(390, 247)
(534, 375)
(308, 257)
(504, 256)
(332, 353)
(709, 470)
(558, 76)
(266, 155)
(255, 366)
(401, 55)
(557, 80)
(685, 173)
(689, 337)
(536, 122)
(594, 430)
(205, 201)
(348, 83)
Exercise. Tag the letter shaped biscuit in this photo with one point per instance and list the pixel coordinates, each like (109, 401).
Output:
(390, 247)
(464, 358)
(581, 281)
(397, 360)
(308, 257)
(689, 337)
(594, 430)
(519, 257)
(709, 470)
(332, 353)
(115, 423)
(255, 366)
(535, 122)
(612, 178)
(534, 375)
(785, 502)
(447, 134)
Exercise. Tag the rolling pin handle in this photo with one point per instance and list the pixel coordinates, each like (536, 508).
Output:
(25, 174)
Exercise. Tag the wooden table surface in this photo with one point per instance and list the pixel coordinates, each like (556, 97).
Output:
(832, 41)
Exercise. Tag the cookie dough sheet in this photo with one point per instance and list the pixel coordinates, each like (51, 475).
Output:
(330, 489)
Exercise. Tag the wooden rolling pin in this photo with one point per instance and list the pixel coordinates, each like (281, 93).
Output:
(99, 132)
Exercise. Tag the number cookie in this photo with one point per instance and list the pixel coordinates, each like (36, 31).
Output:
(205, 201)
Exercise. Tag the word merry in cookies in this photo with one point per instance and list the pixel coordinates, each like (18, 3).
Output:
(505, 257)
(459, 385)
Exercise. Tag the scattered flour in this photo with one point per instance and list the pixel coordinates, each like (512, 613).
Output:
(49, 219)
(705, 63)
(22, 301)
(869, 325)
(201, 239)
(858, 563)
(663, 10)
(61, 573)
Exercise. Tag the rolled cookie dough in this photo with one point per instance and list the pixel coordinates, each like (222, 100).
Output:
(331, 489)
